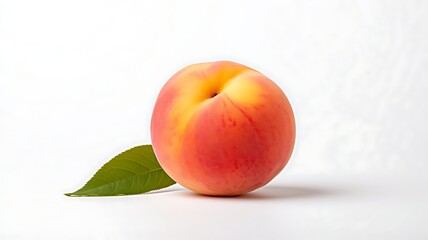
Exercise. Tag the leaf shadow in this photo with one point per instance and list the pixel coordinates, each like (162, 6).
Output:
(163, 190)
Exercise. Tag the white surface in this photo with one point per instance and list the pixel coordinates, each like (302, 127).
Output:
(78, 80)
(309, 207)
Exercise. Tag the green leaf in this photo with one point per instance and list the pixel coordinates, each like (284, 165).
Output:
(131, 172)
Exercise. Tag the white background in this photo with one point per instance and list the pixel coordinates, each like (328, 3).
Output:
(78, 81)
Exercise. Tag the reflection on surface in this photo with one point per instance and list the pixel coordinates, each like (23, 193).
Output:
(287, 192)
(277, 192)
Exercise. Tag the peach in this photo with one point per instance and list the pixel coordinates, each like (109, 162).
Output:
(222, 128)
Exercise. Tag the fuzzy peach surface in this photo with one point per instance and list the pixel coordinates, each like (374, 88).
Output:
(222, 128)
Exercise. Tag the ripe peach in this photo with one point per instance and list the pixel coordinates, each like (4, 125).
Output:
(222, 128)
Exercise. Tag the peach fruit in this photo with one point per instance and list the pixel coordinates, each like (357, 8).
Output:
(222, 128)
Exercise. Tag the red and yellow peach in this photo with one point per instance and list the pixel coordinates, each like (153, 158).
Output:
(222, 128)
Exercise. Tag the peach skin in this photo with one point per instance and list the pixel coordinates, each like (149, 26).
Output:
(222, 128)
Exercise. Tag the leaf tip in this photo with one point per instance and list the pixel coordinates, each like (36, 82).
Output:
(70, 195)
